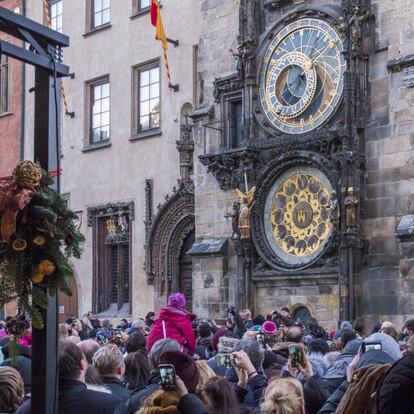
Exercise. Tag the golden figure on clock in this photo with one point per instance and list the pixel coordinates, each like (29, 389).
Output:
(301, 76)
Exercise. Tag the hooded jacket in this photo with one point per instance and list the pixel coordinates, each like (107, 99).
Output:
(396, 388)
(177, 324)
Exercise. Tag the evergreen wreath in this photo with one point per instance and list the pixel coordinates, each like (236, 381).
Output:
(38, 236)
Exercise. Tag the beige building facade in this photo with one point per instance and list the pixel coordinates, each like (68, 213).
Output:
(118, 72)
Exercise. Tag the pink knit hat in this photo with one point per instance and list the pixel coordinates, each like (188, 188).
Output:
(177, 300)
(269, 328)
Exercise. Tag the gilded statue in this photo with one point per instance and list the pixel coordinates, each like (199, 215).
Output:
(351, 205)
(334, 212)
(246, 204)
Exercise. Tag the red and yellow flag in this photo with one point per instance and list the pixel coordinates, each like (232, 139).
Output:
(156, 21)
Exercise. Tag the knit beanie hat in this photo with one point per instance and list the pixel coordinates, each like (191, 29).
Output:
(389, 345)
(177, 300)
(374, 357)
(345, 326)
(184, 366)
(352, 347)
(269, 328)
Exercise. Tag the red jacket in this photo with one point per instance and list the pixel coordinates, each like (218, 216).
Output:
(177, 324)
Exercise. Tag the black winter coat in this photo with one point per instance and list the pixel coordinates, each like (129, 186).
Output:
(74, 397)
(333, 401)
(395, 391)
(190, 404)
(115, 386)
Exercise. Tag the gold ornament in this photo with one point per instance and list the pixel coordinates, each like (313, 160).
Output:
(47, 267)
(39, 241)
(27, 174)
(19, 245)
(246, 204)
(300, 214)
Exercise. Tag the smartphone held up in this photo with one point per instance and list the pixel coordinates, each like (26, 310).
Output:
(296, 355)
(167, 377)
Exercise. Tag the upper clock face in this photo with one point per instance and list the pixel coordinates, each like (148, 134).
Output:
(301, 76)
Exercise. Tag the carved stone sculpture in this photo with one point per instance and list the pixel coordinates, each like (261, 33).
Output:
(335, 213)
(234, 220)
(351, 204)
(356, 23)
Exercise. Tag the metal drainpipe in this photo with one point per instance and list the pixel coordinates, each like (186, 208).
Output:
(22, 95)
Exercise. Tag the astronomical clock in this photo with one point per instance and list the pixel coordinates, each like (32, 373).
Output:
(301, 78)
(302, 96)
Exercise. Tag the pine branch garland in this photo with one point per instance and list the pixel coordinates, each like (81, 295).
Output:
(38, 253)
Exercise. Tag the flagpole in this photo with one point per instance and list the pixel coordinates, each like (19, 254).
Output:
(175, 88)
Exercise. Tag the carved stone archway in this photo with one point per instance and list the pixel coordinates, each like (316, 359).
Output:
(174, 221)
(170, 227)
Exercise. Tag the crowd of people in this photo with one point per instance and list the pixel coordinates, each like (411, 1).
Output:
(174, 363)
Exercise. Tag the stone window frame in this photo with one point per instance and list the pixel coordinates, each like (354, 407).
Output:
(90, 27)
(136, 133)
(97, 216)
(89, 144)
(227, 102)
(5, 97)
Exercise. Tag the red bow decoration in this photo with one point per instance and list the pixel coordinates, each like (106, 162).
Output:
(12, 200)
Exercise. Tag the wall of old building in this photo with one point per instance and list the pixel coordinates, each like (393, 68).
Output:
(387, 284)
(213, 276)
(385, 287)
(117, 173)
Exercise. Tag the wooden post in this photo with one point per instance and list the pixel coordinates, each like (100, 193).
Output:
(45, 341)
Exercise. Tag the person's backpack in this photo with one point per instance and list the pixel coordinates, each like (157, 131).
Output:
(360, 395)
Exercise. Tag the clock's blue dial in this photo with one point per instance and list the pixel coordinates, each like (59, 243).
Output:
(301, 76)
